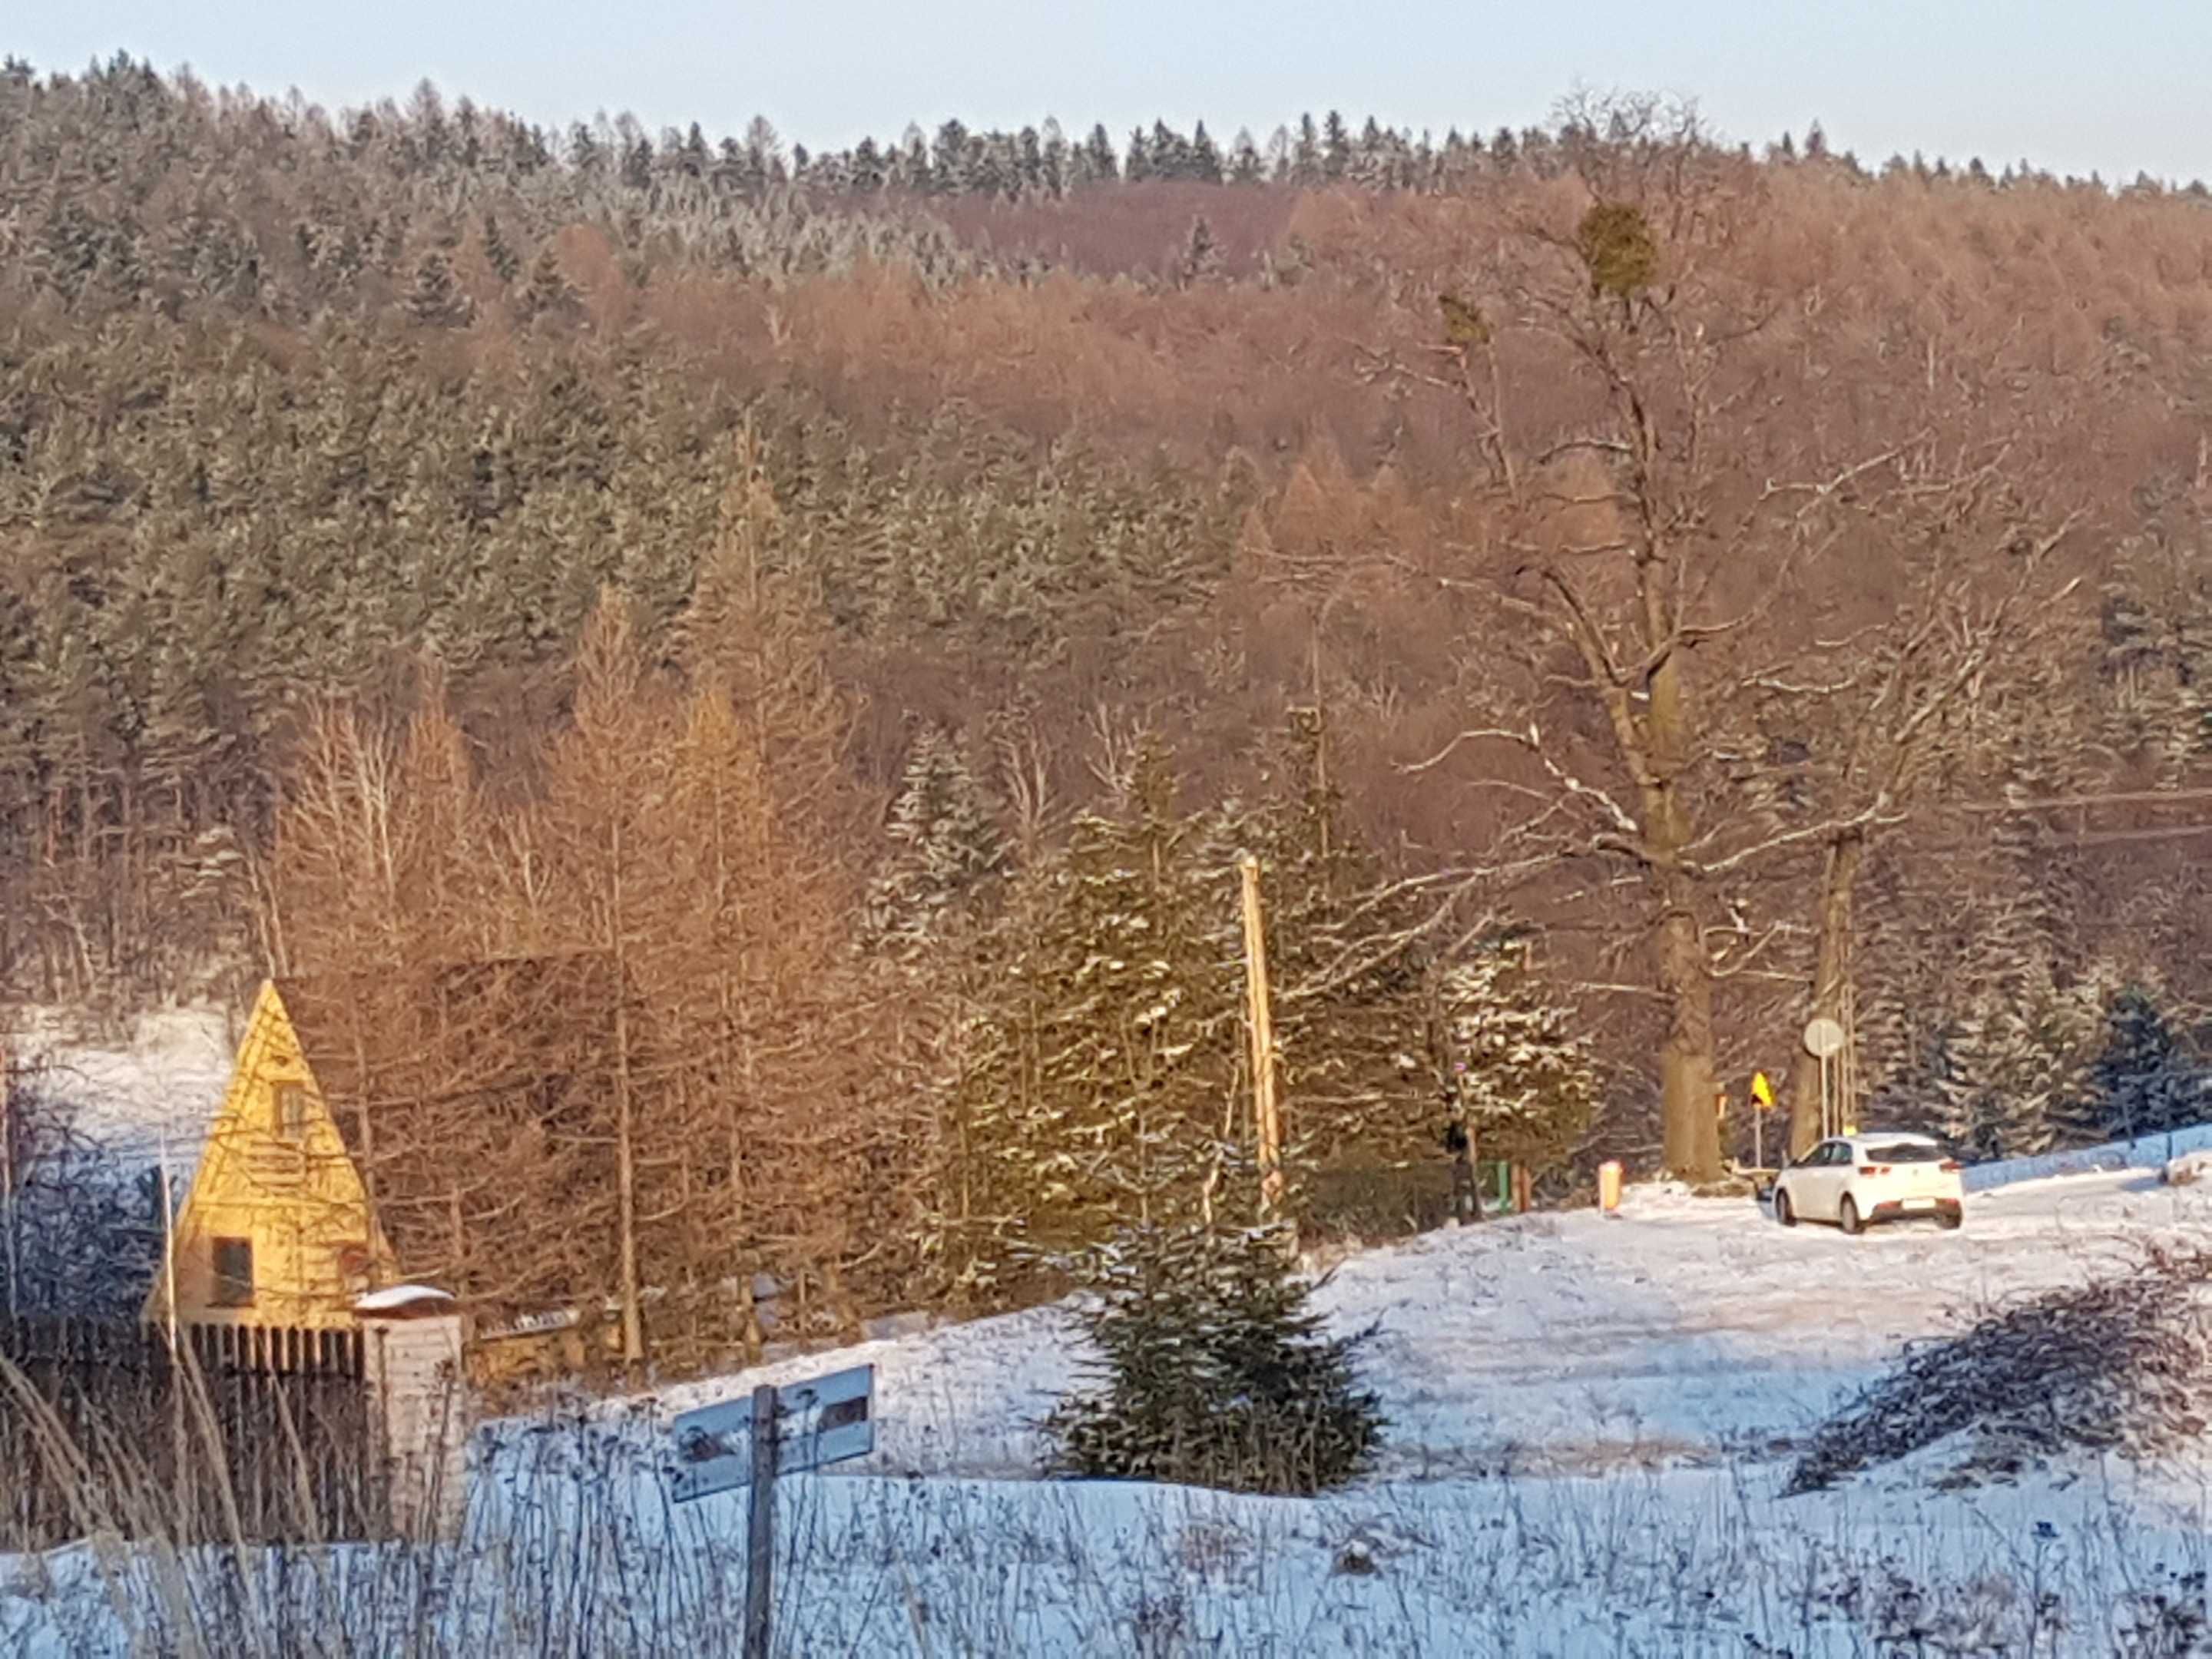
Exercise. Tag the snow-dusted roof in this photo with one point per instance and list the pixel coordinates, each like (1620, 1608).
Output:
(400, 1296)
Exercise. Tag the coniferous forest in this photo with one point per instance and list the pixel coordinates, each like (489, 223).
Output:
(1631, 591)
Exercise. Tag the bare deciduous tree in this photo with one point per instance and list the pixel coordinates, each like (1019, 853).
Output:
(1655, 535)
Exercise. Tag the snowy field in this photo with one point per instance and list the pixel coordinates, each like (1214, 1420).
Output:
(1700, 1564)
(1591, 1423)
(1681, 1331)
(1590, 1417)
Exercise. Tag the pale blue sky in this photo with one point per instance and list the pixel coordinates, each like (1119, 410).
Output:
(2112, 85)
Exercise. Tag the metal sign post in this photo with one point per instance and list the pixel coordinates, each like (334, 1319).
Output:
(1824, 1040)
(1762, 1103)
(760, 1527)
(786, 1431)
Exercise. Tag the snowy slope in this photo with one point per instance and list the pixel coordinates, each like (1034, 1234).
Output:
(2148, 1152)
(1584, 1458)
(1686, 1330)
(1681, 1330)
(162, 1086)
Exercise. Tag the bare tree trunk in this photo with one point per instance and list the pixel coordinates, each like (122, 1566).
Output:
(1459, 1138)
(1832, 954)
(365, 1130)
(633, 1331)
(1691, 1139)
(1468, 1176)
(1691, 1135)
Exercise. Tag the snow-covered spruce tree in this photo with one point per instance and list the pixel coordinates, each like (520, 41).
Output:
(1214, 1371)
(1105, 1079)
(1349, 953)
(1104, 1074)
(2142, 1081)
(1980, 1015)
(1913, 945)
(2009, 1067)
(437, 300)
(1523, 1085)
(945, 845)
(1200, 259)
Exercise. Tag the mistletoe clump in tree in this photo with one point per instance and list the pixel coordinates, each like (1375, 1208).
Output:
(1216, 1370)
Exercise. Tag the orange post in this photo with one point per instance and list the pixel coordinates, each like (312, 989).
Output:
(1609, 1186)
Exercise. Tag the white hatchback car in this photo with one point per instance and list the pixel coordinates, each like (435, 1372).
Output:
(1856, 1181)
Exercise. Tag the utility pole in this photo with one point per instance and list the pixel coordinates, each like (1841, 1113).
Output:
(1266, 1112)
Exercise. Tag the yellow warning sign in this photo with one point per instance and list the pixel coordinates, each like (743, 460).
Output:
(1762, 1091)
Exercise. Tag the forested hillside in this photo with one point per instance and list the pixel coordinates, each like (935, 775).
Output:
(1697, 562)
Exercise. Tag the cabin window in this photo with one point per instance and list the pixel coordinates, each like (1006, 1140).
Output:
(292, 1110)
(234, 1272)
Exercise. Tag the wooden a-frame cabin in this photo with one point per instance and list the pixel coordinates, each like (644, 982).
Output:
(383, 1129)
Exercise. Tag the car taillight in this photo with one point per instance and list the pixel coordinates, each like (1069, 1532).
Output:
(1873, 1169)
(1950, 1166)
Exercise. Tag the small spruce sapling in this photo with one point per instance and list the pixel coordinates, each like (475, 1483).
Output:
(1216, 1370)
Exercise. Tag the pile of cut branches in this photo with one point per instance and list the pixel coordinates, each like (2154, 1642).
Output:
(2121, 1365)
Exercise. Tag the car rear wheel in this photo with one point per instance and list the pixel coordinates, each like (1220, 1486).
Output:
(1847, 1217)
(1951, 1220)
(1782, 1212)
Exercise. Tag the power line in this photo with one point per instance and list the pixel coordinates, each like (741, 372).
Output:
(2087, 837)
(2056, 803)
(2160, 832)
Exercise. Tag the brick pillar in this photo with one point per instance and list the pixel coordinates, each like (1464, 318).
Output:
(419, 1409)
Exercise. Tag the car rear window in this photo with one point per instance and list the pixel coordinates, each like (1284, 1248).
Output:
(1905, 1152)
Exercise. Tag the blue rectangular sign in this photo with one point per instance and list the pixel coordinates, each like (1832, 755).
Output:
(825, 1420)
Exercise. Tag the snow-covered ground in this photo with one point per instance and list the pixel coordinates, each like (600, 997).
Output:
(1590, 1422)
(580, 1557)
(160, 1089)
(2148, 1152)
(1680, 1330)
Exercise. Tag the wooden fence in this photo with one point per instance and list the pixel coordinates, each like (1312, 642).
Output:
(239, 1435)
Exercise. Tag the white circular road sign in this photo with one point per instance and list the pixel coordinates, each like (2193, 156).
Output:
(1823, 1037)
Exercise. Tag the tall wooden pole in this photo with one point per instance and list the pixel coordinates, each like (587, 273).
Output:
(1266, 1113)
